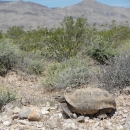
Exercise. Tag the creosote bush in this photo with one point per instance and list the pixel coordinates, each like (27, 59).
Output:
(8, 57)
(6, 95)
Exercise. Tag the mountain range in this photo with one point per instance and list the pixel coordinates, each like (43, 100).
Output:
(31, 15)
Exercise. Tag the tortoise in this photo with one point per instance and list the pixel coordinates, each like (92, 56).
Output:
(87, 101)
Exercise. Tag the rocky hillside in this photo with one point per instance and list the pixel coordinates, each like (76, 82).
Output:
(31, 15)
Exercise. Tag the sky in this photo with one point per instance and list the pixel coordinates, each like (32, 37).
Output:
(63, 3)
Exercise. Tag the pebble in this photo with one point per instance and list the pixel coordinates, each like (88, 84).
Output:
(96, 124)
(16, 110)
(7, 123)
(80, 119)
(45, 112)
(24, 112)
(23, 122)
(128, 118)
(108, 124)
(86, 119)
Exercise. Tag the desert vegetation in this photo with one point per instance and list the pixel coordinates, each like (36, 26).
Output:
(71, 55)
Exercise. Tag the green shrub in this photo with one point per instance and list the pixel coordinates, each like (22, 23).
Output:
(6, 95)
(102, 51)
(65, 41)
(33, 40)
(15, 33)
(8, 57)
(71, 73)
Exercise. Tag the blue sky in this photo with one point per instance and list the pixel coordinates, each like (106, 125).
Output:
(63, 3)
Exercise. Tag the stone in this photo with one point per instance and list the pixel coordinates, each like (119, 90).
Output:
(45, 112)
(80, 119)
(125, 111)
(24, 112)
(54, 123)
(70, 126)
(15, 116)
(68, 121)
(74, 116)
(124, 115)
(60, 115)
(16, 110)
(86, 119)
(46, 109)
(34, 115)
(8, 106)
(128, 118)
(9, 113)
(108, 124)
(120, 127)
(7, 123)
(23, 122)
(96, 124)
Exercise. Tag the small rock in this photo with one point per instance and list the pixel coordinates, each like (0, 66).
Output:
(46, 109)
(125, 111)
(7, 123)
(54, 123)
(68, 121)
(45, 112)
(69, 126)
(86, 119)
(108, 124)
(23, 122)
(47, 104)
(8, 106)
(15, 116)
(34, 115)
(124, 115)
(59, 115)
(74, 116)
(9, 113)
(24, 112)
(80, 119)
(120, 127)
(16, 110)
(96, 124)
(52, 108)
(128, 118)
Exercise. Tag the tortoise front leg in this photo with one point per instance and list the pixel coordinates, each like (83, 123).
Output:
(66, 110)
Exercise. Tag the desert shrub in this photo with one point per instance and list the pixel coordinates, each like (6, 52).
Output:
(102, 51)
(65, 41)
(9, 56)
(32, 63)
(33, 40)
(71, 73)
(117, 75)
(15, 33)
(6, 95)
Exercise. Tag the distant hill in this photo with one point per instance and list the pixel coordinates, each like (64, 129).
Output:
(31, 15)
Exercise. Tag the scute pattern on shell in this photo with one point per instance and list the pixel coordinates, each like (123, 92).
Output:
(90, 100)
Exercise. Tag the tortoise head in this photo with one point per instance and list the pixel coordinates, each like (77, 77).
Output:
(60, 98)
